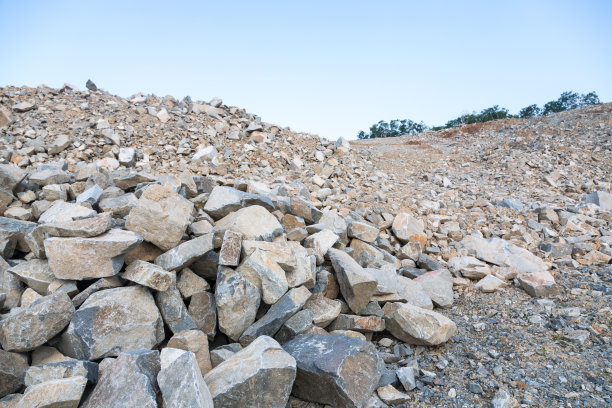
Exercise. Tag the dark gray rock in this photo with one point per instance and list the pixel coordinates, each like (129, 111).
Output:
(335, 370)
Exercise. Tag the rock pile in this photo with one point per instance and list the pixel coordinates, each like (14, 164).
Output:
(156, 252)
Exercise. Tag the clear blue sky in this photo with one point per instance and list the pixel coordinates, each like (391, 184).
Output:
(328, 67)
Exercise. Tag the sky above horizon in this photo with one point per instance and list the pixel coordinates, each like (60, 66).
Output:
(326, 67)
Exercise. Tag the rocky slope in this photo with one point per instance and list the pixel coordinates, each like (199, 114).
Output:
(157, 252)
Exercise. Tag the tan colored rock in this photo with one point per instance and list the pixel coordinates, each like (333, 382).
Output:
(149, 275)
(203, 311)
(229, 255)
(415, 325)
(254, 223)
(64, 393)
(196, 342)
(324, 310)
(266, 275)
(90, 258)
(408, 228)
(188, 283)
(160, 217)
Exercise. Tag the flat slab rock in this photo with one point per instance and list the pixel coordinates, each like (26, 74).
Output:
(90, 258)
(112, 321)
(335, 370)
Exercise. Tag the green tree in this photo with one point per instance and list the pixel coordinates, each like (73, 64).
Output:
(530, 111)
(393, 128)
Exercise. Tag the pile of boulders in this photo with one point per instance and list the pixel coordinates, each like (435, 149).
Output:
(229, 264)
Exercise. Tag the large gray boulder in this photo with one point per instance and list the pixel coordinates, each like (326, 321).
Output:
(186, 253)
(13, 367)
(180, 380)
(277, 315)
(335, 370)
(237, 302)
(25, 329)
(260, 375)
(112, 321)
(173, 310)
(128, 381)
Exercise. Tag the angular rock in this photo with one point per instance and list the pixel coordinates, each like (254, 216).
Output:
(25, 329)
(254, 223)
(189, 284)
(113, 321)
(149, 275)
(196, 342)
(390, 395)
(469, 267)
(296, 325)
(280, 252)
(406, 377)
(362, 324)
(84, 228)
(100, 284)
(128, 381)
(419, 326)
(35, 273)
(229, 255)
(119, 207)
(13, 367)
(362, 230)
(335, 370)
(10, 176)
(277, 315)
(537, 284)
(324, 310)
(62, 211)
(489, 284)
(321, 242)
(503, 253)
(49, 175)
(356, 284)
(439, 287)
(180, 380)
(186, 253)
(174, 311)
(62, 369)
(203, 311)
(407, 228)
(237, 302)
(260, 375)
(10, 286)
(12, 236)
(160, 217)
(601, 198)
(266, 275)
(64, 393)
(60, 144)
(399, 287)
(90, 258)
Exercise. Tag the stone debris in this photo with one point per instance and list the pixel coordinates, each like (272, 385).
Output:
(137, 227)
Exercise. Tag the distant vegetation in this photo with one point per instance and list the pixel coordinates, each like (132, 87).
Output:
(567, 101)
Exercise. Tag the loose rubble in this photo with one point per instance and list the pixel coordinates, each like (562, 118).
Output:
(163, 252)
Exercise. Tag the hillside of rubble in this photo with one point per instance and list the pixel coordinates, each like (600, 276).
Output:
(157, 252)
